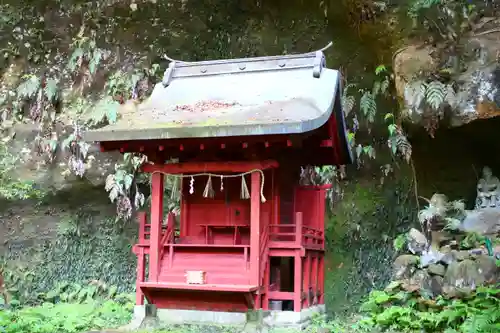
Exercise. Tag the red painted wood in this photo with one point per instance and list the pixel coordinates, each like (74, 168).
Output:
(184, 210)
(202, 287)
(231, 239)
(297, 287)
(139, 296)
(306, 280)
(156, 221)
(314, 277)
(255, 228)
(220, 167)
(281, 296)
(265, 298)
(321, 280)
(298, 228)
(189, 299)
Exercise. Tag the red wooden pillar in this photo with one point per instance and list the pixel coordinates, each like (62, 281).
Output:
(307, 279)
(156, 221)
(184, 212)
(265, 299)
(314, 276)
(139, 296)
(321, 279)
(141, 269)
(255, 229)
(298, 228)
(297, 283)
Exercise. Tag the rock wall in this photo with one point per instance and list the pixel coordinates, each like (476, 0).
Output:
(454, 272)
(475, 88)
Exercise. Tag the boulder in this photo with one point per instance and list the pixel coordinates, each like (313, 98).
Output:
(454, 256)
(430, 257)
(465, 276)
(419, 281)
(485, 221)
(437, 285)
(477, 91)
(417, 242)
(436, 269)
(404, 266)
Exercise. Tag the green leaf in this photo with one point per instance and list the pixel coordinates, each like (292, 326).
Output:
(393, 144)
(51, 88)
(359, 150)
(380, 69)
(128, 180)
(106, 109)
(75, 58)
(435, 94)
(392, 129)
(388, 116)
(376, 88)
(95, 60)
(368, 150)
(368, 106)
(384, 85)
(29, 87)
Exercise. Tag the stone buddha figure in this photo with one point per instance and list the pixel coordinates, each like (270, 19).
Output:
(488, 189)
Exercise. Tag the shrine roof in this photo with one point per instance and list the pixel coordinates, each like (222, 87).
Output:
(240, 97)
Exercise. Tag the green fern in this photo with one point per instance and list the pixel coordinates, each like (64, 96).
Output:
(51, 88)
(419, 5)
(435, 94)
(105, 110)
(29, 87)
(75, 59)
(95, 60)
(414, 94)
(384, 86)
(348, 101)
(368, 106)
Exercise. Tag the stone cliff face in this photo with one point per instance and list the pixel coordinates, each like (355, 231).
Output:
(191, 30)
(475, 88)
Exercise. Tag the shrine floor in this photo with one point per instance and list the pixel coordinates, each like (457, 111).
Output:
(259, 321)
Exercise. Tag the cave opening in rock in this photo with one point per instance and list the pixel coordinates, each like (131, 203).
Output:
(452, 162)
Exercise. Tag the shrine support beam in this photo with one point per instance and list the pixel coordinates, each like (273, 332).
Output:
(195, 167)
(156, 221)
(255, 229)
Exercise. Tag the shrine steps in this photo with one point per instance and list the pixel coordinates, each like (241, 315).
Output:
(213, 297)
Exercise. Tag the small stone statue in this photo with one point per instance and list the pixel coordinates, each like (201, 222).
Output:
(488, 189)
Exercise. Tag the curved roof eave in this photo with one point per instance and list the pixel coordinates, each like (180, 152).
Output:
(263, 100)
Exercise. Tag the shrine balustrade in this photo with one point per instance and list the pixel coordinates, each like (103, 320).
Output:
(297, 235)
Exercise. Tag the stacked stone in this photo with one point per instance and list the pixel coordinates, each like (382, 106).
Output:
(448, 271)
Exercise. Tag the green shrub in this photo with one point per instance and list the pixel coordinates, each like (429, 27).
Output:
(478, 313)
(66, 317)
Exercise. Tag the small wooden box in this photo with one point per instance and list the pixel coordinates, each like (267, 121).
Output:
(196, 277)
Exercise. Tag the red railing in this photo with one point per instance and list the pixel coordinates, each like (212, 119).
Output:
(142, 247)
(297, 234)
(168, 236)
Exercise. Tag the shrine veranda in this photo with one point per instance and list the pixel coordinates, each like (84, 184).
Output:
(250, 236)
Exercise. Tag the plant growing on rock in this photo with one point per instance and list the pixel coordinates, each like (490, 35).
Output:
(441, 214)
(122, 185)
(412, 312)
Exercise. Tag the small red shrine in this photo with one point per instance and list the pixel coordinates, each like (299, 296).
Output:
(249, 236)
